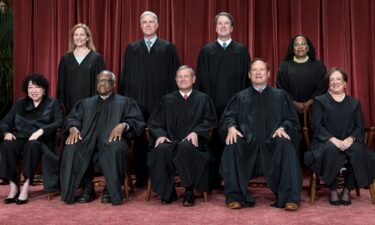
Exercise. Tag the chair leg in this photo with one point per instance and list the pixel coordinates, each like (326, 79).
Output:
(372, 193)
(148, 193)
(205, 194)
(49, 197)
(126, 187)
(312, 188)
(357, 192)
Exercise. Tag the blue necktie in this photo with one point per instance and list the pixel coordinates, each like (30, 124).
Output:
(224, 45)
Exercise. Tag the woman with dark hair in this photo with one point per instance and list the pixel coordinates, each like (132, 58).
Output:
(29, 131)
(300, 74)
(79, 67)
(338, 140)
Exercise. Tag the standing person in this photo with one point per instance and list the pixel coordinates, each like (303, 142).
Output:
(78, 68)
(180, 126)
(222, 69)
(29, 131)
(300, 74)
(148, 73)
(338, 140)
(97, 128)
(261, 129)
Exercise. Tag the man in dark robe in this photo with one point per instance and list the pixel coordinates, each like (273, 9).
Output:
(261, 129)
(180, 125)
(221, 72)
(148, 73)
(97, 128)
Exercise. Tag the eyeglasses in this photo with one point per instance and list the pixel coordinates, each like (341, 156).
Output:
(105, 81)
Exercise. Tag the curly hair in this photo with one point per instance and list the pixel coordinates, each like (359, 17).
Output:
(290, 53)
(36, 79)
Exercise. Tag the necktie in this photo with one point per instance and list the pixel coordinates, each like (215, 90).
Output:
(186, 96)
(148, 43)
(224, 45)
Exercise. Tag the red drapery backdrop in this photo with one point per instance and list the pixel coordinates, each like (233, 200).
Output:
(342, 32)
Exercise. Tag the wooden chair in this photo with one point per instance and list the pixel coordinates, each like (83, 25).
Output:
(177, 180)
(314, 178)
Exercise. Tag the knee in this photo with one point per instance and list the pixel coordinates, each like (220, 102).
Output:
(118, 147)
(32, 145)
(185, 146)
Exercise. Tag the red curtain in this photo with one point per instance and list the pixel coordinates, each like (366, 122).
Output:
(342, 32)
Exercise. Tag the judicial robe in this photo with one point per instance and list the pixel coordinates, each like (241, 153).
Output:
(95, 119)
(23, 120)
(222, 73)
(302, 81)
(330, 118)
(257, 116)
(77, 81)
(175, 118)
(147, 76)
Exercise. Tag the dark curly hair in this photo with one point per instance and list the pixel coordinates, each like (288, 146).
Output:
(36, 79)
(290, 53)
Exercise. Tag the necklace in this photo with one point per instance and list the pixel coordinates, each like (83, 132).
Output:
(295, 59)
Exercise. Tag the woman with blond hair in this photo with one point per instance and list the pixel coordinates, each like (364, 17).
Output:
(79, 67)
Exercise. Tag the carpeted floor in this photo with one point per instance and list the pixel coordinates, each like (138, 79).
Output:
(138, 211)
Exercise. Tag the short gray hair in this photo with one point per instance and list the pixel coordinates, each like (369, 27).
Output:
(148, 13)
(113, 76)
(183, 67)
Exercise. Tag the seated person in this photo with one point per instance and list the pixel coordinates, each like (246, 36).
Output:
(262, 132)
(97, 128)
(338, 140)
(29, 131)
(180, 125)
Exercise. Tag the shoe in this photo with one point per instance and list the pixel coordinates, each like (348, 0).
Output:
(347, 195)
(291, 206)
(336, 202)
(106, 198)
(12, 200)
(87, 196)
(21, 202)
(188, 199)
(234, 205)
(172, 198)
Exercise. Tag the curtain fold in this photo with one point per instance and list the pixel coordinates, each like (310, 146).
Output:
(342, 32)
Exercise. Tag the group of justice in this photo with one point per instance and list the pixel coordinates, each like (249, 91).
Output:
(256, 127)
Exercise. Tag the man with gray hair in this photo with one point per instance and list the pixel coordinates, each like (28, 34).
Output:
(148, 73)
(96, 129)
(180, 125)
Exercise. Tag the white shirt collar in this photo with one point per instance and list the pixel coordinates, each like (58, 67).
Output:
(153, 39)
(227, 42)
(182, 93)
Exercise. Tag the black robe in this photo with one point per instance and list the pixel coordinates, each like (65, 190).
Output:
(222, 73)
(257, 116)
(23, 120)
(175, 118)
(147, 76)
(78, 81)
(96, 119)
(302, 81)
(330, 118)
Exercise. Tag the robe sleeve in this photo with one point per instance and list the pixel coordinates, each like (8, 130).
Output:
(134, 118)
(74, 118)
(202, 73)
(98, 66)
(230, 116)
(358, 131)
(57, 122)
(209, 120)
(282, 81)
(129, 52)
(174, 64)
(61, 81)
(7, 123)
(157, 122)
(322, 83)
(316, 120)
(291, 122)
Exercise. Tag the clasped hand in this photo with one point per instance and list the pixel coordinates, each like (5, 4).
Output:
(342, 144)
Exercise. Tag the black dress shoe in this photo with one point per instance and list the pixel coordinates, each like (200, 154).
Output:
(21, 202)
(87, 196)
(106, 198)
(12, 200)
(345, 202)
(336, 202)
(188, 199)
